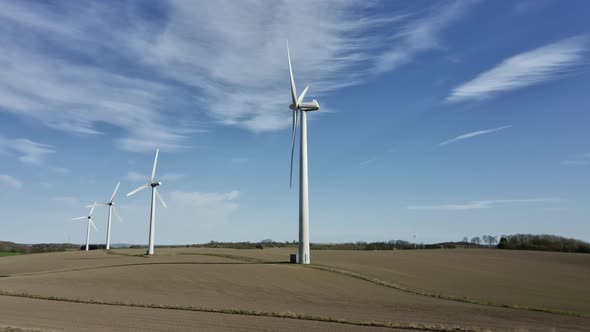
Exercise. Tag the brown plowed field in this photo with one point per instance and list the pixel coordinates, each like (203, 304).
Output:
(219, 280)
(528, 278)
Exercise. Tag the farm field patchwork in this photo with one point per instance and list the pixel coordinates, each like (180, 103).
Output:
(258, 289)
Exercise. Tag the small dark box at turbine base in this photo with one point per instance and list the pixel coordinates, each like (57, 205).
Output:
(293, 259)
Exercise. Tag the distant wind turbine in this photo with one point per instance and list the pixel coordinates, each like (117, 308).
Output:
(155, 194)
(301, 108)
(112, 209)
(89, 217)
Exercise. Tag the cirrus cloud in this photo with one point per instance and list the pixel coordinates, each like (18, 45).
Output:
(156, 80)
(540, 65)
(472, 134)
(10, 181)
(485, 204)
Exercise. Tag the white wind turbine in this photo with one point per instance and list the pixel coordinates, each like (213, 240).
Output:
(301, 108)
(89, 217)
(155, 194)
(112, 209)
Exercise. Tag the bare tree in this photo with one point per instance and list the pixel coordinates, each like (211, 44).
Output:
(493, 240)
(476, 240)
(487, 240)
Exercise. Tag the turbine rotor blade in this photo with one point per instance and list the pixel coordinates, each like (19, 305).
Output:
(293, 146)
(300, 99)
(97, 204)
(92, 210)
(80, 218)
(155, 163)
(293, 88)
(117, 214)
(115, 192)
(160, 198)
(92, 223)
(138, 189)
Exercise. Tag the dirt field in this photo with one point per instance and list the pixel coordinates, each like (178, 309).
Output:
(528, 278)
(184, 288)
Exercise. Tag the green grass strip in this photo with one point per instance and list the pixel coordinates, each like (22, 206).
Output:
(287, 315)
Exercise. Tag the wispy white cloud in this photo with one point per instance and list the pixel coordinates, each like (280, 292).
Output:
(543, 64)
(473, 134)
(578, 159)
(79, 66)
(70, 67)
(238, 62)
(368, 161)
(486, 204)
(75, 99)
(449, 207)
(27, 151)
(10, 181)
(420, 34)
(136, 176)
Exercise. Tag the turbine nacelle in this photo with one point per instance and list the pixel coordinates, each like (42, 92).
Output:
(311, 106)
(155, 184)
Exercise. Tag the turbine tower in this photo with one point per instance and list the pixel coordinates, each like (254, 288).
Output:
(89, 217)
(300, 109)
(152, 183)
(112, 210)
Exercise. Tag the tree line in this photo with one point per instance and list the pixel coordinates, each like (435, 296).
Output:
(543, 242)
(484, 240)
(516, 242)
(35, 248)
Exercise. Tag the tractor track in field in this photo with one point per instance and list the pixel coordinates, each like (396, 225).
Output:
(242, 260)
(412, 290)
(29, 274)
(284, 315)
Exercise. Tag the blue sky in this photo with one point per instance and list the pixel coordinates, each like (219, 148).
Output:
(438, 119)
